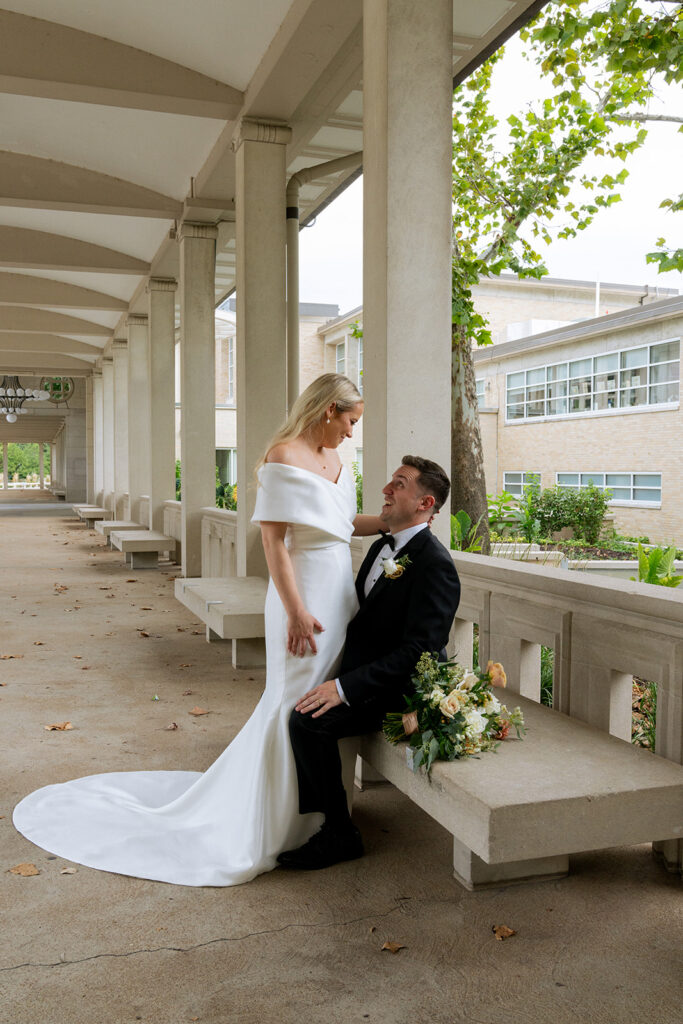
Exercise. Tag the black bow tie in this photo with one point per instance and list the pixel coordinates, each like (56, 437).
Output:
(389, 539)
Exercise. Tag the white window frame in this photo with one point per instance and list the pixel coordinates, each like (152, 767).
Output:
(528, 477)
(360, 366)
(481, 392)
(586, 385)
(231, 465)
(359, 460)
(601, 481)
(340, 357)
(230, 398)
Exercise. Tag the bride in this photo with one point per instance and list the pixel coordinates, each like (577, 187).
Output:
(227, 825)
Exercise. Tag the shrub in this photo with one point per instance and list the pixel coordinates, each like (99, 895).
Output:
(558, 507)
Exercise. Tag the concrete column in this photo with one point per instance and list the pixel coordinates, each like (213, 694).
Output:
(261, 240)
(53, 464)
(197, 386)
(98, 436)
(261, 372)
(138, 414)
(41, 465)
(5, 465)
(161, 307)
(108, 435)
(407, 87)
(89, 443)
(120, 354)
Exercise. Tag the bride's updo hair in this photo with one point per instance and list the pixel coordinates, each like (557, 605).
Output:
(309, 408)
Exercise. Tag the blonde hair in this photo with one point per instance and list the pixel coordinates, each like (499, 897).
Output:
(308, 409)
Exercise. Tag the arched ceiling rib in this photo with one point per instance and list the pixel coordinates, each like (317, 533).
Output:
(55, 343)
(22, 247)
(106, 72)
(24, 290)
(26, 319)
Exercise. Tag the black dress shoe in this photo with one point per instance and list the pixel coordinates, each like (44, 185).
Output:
(326, 847)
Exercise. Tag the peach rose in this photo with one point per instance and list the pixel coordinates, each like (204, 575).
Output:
(497, 673)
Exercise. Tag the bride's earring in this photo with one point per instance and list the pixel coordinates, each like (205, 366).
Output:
(328, 419)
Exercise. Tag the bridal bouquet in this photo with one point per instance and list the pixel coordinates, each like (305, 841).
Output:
(452, 713)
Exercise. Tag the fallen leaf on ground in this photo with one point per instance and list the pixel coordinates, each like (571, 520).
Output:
(180, 629)
(25, 870)
(185, 664)
(58, 727)
(6, 657)
(186, 693)
(60, 588)
(68, 871)
(78, 657)
(155, 697)
(373, 929)
(109, 595)
(3, 684)
(393, 947)
(84, 668)
(104, 588)
(146, 608)
(143, 632)
(197, 632)
(198, 711)
(501, 931)
(38, 643)
(171, 727)
(131, 581)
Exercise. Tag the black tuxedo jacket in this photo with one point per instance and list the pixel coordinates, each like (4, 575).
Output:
(397, 622)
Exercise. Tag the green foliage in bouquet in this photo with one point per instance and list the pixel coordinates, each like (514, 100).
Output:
(452, 713)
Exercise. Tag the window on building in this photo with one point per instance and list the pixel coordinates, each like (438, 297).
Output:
(340, 352)
(226, 463)
(481, 399)
(360, 365)
(626, 488)
(230, 398)
(516, 483)
(644, 376)
(359, 460)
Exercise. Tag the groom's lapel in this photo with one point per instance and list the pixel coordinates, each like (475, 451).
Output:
(412, 549)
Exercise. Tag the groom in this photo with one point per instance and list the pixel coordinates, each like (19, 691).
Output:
(402, 615)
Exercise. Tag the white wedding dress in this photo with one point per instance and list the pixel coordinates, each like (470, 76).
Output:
(227, 825)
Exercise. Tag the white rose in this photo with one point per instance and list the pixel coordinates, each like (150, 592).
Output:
(475, 723)
(390, 565)
(469, 681)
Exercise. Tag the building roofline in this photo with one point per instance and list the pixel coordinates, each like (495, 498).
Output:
(567, 282)
(662, 310)
(339, 320)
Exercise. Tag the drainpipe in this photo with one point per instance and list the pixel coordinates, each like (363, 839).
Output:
(302, 177)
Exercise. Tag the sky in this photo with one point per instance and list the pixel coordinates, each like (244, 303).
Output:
(612, 249)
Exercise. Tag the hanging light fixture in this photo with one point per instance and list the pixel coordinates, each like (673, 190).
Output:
(13, 396)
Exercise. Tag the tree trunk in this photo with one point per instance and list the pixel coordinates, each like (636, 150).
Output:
(468, 487)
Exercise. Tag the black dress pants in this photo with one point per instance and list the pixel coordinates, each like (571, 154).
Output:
(318, 765)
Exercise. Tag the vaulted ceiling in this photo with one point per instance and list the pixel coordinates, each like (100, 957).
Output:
(116, 121)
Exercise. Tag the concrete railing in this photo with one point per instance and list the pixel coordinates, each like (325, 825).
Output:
(172, 519)
(219, 534)
(144, 510)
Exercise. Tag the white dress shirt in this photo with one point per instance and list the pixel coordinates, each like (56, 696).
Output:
(376, 569)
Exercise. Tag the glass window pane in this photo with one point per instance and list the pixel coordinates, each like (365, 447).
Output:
(513, 478)
(640, 494)
(605, 400)
(647, 479)
(663, 372)
(580, 367)
(666, 350)
(557, 390)
(634, 357)
(618, 480)
(664, 393)
(595, 478)
(536, 376)
(605, 363)
(515, 410)
(605, 382)
(568, 479)
(535, 408)
(558, 372)
(581, 403)
(633, 396)
(516, 380)
(621, 493)
(558, 407)
(633, 378)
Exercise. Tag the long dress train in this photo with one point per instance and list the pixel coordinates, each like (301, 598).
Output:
(227, 825)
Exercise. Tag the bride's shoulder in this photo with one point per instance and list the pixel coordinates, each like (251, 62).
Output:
(285, 454)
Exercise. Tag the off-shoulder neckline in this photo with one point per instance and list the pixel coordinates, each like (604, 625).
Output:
(310, 472)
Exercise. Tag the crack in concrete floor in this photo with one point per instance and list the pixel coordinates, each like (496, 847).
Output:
(202, 945)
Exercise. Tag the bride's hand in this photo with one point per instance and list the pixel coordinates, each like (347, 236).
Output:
(301, 628)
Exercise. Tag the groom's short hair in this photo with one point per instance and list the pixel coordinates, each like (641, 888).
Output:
(431, 478)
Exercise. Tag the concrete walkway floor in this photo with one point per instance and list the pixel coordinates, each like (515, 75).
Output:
(600, 946)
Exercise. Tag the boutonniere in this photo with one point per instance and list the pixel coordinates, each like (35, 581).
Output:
(395, 567)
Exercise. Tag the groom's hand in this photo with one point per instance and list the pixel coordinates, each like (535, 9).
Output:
(319, 700)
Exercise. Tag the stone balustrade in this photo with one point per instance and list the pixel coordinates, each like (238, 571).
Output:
(144, 509)
(172, 514)
(219, 533)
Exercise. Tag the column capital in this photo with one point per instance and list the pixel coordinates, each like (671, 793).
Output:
(136, 320)
(188, 229)
(161, 284)
(117, 343)
(107, 359)
(96, 373)
(252, 130)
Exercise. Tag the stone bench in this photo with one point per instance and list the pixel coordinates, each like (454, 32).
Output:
(60, 495)
(518, 813)
(90, 514)
(142, 547)
(232, 608)
(107, 526)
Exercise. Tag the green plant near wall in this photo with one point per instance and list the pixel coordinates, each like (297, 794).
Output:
(358, 479)
(464, 533)
(656, 566)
